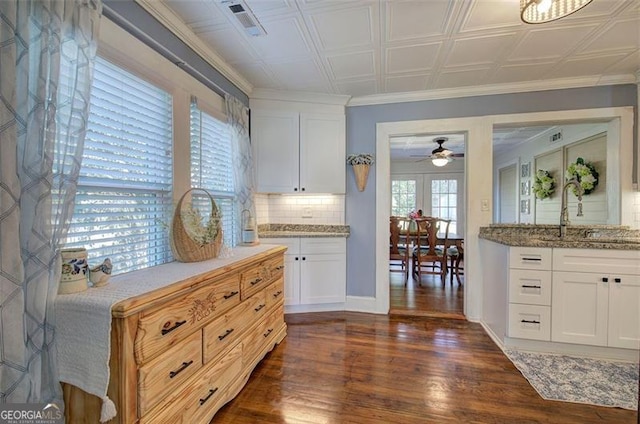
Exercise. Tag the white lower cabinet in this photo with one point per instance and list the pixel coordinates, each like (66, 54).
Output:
(315, 270)
(529, 293)
(600, 305)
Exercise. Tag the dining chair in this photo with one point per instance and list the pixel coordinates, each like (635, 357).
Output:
(430, 253)
(399, 250)
(456, 261)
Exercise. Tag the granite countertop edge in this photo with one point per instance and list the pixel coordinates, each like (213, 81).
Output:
(613, 238)
(266, 231)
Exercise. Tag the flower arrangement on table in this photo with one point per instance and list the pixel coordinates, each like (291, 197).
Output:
(543, 184)
(585, 173)
(360, 159)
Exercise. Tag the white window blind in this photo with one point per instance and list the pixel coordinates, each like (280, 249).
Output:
(212, 167)
(124, 198)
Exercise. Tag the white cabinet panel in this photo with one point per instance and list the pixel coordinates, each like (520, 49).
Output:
(624, 311)
(322, 153)
(274, 137)
(323, 279)
(599, 261)
(580, 308)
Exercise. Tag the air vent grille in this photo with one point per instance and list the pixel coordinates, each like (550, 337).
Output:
(246, 18)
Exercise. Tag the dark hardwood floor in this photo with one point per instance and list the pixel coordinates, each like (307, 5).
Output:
(346, 367)
(428, 298)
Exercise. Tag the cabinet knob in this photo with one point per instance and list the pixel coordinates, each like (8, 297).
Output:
(618, 280)
(605, 279)
(302, 188)
(295, 189)
(304, 258)
(297, 258)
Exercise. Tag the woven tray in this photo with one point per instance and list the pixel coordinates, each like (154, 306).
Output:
(183, 247)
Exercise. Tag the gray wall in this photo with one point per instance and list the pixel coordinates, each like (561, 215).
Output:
(361, 138)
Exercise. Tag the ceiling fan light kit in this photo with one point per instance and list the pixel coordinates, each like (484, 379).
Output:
(439, 161)
(541, 11)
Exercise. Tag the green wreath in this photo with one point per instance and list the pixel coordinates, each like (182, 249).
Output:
(543, 184)
(585, 173)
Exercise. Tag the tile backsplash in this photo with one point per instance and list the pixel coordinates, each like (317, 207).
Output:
(300, 209)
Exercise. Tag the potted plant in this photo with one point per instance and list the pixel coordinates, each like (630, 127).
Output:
(360, 163)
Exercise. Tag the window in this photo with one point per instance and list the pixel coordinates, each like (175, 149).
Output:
(444, 201)
(124, 195)
(403, 197)
(212, 167)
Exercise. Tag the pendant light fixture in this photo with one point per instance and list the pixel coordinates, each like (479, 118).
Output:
(541, 11)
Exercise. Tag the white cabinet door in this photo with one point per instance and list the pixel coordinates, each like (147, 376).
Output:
(275, 140)
(291, 268)
(579, 308)
(322, 153)
(624, 311)
(323, 278)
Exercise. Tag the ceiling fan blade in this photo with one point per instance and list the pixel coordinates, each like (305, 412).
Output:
(457, 155)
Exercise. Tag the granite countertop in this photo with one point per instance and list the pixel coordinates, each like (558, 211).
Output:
(613, 237)
(301, 230)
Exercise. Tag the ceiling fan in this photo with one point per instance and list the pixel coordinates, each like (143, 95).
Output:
(440, 156)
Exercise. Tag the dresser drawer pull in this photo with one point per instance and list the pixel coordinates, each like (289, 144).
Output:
(226, 333)
(526, 286)
(206, 398)
(169, 330)
(279, 267)
(259, 307)
(527, 321)
(269, 331)
(230, 295)
(256, 281)
(277, 293)
(532, 259)
(179, 370)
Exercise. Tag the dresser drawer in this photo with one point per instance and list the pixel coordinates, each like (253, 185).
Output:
(167, 324)
(262, 336)
(529, 322)
(531, 287)
(224, 331)
(205, 395)
(258, 277)
(275, 293)
(165, 373)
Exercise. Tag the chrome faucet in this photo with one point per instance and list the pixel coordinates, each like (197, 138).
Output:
(564, 214)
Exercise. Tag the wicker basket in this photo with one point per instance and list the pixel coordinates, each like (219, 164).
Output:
(183, 247)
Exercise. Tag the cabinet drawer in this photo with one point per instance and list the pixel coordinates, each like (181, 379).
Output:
(168, 324)
(259, 340)
(530, 322)
(323, 245)
(258, 277)
(205, 395)
(165, 373)
(601, 261)
(275, 293)
(531, 287)
(530, 258)
(224, 331)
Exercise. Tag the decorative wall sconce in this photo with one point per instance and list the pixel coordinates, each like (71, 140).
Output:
(361, 163)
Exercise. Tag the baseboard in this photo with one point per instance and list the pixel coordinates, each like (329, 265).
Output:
(587, 351)
(497, 340)
(362, 304)
(322, 307)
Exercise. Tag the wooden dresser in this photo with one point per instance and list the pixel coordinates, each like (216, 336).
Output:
(179, 353)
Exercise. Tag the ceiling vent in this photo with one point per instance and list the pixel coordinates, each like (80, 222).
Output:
(245, 16)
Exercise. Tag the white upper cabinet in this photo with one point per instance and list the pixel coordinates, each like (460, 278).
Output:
(276, 147)
(299, 146)
(322, 153)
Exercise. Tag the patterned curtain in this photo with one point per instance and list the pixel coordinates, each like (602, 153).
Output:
(245, 181)
(47, 50)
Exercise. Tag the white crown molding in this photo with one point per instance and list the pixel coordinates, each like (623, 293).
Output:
(299, 96)
(486, 90)
(168, 18)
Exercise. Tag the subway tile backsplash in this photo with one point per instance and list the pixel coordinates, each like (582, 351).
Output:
(300, 209)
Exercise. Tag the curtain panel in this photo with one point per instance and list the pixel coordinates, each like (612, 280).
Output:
(245, 180)
(47, 50)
